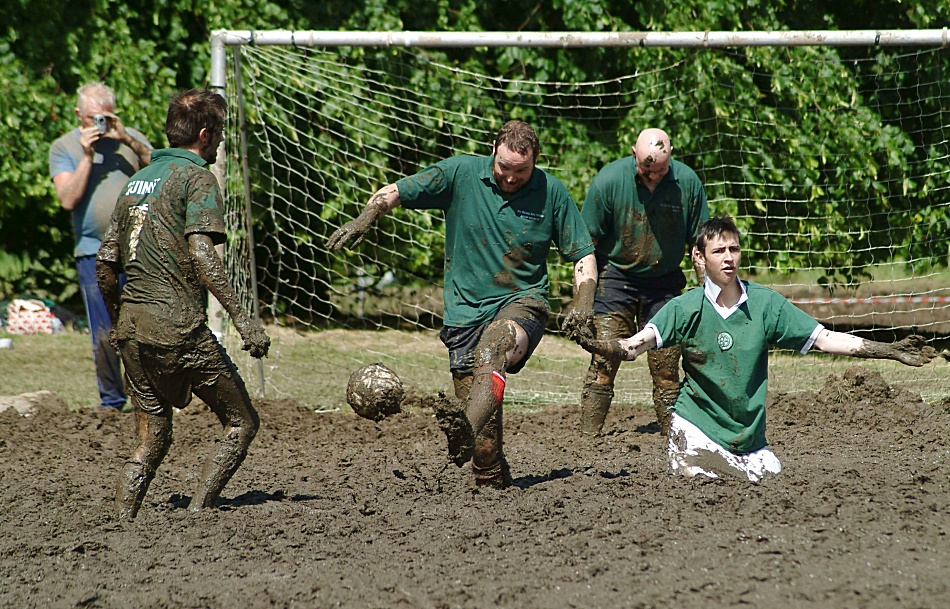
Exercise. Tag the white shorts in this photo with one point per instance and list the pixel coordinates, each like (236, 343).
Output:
(692, 453)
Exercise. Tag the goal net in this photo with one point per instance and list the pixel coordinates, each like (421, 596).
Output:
(834, 161)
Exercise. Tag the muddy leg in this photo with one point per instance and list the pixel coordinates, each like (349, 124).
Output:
(595, 404)
(155, 436)
(664, 367)
(488, 460)
(484, 405)
(463, 385)
(229, 400)
(483, 402)
(598, 391)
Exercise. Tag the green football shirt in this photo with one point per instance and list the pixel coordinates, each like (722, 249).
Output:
(496, 248)
(163, 301)
(642, 233)
(726, 360)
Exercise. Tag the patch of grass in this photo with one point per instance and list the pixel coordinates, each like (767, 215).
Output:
(61, 363)
(314, 367)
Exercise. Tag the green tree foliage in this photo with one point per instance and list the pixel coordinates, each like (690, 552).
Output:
(48, 48)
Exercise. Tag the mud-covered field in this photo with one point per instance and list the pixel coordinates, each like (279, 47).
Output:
(331, 510)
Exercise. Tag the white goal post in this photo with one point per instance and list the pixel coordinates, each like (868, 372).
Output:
(830, 148)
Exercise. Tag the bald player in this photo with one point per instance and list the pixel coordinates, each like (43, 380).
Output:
(643, 213)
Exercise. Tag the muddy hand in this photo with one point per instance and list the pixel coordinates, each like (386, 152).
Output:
(351, 233)
(576, 319)
(913, 351)
(611, 349)
(256, 341)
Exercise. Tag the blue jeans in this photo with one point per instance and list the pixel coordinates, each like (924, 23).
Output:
(108, 368)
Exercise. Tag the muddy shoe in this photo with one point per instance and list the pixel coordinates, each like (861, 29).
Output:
(458, 431)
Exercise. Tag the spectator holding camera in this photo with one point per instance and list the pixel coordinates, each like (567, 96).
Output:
(89, 166)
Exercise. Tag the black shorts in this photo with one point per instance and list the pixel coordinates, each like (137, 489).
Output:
(620, 293)
(529, 313)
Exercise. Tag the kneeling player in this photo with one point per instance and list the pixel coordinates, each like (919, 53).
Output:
(725, 329)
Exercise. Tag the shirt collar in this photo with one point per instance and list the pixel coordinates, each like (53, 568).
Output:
(712, 292)
(180, 153)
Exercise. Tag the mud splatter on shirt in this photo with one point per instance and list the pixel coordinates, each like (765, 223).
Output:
(496, 246)
(163, 300)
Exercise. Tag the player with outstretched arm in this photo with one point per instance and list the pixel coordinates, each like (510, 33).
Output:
(502, 214)
(725, 328)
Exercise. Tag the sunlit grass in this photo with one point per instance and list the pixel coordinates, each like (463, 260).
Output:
(61, 363)
(313, 368)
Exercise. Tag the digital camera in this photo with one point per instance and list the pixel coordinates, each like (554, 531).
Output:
(101, 122)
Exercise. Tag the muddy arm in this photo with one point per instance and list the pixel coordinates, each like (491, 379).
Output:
(107, 276)
(213, 277)
(352, 233)
(585, 284)
(626, 349)
(912, 351)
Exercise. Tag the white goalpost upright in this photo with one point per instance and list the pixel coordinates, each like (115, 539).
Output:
(854, 234)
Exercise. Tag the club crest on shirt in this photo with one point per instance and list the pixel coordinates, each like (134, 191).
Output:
(725, 341)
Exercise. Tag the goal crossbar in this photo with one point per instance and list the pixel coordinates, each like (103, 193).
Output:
(708, 39)
(921, 37)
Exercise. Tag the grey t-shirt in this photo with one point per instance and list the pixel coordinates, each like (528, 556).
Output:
(114, 163)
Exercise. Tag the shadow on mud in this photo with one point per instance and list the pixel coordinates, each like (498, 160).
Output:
(248, 498)
(529, 481)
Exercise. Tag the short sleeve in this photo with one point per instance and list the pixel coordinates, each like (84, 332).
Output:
(204, 207)
(788, 326)
(574, 241)
(431, 188)
(60, 161)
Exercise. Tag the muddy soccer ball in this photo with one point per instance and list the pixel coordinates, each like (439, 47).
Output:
(374, 392)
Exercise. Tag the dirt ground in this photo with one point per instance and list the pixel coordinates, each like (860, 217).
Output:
(331, 510)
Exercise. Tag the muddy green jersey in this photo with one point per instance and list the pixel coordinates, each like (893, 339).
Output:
(726, 360)
(495, 247)
(163, 301)
(642, 233)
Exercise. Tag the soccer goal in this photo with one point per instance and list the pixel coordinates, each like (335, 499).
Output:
(831, 150)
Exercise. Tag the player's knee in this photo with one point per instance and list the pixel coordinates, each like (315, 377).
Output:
(158, 430)
(248, 427)
(499, 338)
(240, 436)
(597, 390)
(601, 371)
(155, 438)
